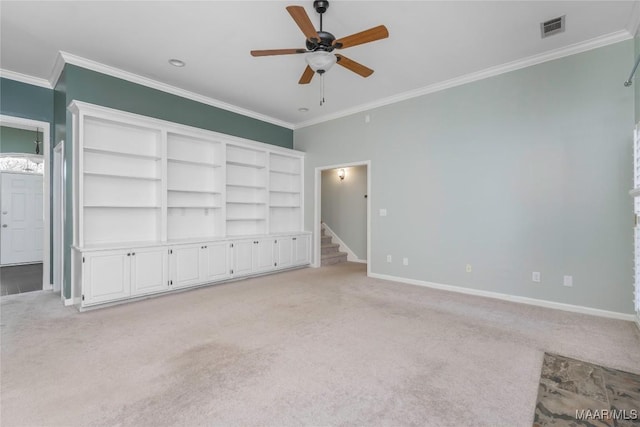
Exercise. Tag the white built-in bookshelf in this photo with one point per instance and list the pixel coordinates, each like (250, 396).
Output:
(147, 188)
(121, 169)
(285, 193)
(247, 183)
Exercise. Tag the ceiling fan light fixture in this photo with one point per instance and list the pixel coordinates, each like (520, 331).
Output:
(321, 61)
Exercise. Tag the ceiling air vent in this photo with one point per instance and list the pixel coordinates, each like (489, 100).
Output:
(552, 26)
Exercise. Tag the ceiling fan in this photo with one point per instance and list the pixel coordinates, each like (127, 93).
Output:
(321, 44)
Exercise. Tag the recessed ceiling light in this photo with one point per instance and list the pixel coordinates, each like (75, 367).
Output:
(303, 109)
(177, 63)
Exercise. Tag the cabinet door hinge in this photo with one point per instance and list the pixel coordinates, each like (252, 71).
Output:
(83, 297)
(231, 245)
(230, 271)
(82, 259)
(275, 264)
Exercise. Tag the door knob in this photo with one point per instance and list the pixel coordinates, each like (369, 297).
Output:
(4, 225)
(4, 212)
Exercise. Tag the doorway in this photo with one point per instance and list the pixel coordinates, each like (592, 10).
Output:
(356, 197)
(25, 208)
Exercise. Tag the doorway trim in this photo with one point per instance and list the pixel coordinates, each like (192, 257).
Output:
(58, 218)
(317, 210)
(21, 123)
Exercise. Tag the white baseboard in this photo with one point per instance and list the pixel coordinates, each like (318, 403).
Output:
(512, 298)
(351, 256)
(71, 301)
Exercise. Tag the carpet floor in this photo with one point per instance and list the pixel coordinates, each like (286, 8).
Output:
(324, 346)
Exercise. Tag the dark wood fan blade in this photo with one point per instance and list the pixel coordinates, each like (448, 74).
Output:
(307, 75)
(366, 36)
(302, 19)
(276, 52)
(354, 66)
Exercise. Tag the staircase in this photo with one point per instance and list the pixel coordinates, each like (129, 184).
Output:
(329, 251)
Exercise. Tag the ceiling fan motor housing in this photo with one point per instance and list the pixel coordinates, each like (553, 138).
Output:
(325, 43)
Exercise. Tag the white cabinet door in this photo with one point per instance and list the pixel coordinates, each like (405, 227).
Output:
(263, 255)
(185, 265)
(284, 256)
(301, 249)
(215, 261)
(106, 276)
(148, 271)
(243, 257)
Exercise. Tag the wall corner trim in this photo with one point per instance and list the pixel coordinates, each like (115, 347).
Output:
(24, 78)
(551, 55)
(634, 20)
(58, 67)
(69, 58)
(513, 298)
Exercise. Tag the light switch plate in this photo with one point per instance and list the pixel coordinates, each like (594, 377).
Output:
(383, 212)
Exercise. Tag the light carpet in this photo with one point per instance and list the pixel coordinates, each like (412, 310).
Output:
(322, 346)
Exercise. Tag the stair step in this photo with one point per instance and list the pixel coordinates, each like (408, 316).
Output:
(325, 239)
(334, 258)
(329, 248)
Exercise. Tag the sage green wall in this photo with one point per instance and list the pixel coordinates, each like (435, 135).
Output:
(14, 140)
(344, 207)
(101, 89)
(27, 101)
(525, 171)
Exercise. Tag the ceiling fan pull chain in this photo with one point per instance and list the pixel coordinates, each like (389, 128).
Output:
(321, 89)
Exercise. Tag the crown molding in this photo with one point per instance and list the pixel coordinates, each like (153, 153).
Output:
(24, 78)
(634, 19)
(58, 67)
(573, 49)
(69, 58)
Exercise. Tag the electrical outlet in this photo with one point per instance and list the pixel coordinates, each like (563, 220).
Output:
(568, 281)
(468, 268)
(367, 118)
(383, 212)
(535, 276)
(405, 261)
(388, 258)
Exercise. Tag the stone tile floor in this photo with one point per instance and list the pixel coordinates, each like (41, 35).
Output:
(577, 393)
(20, 278)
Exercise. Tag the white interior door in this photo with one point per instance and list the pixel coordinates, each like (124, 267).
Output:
(22, 218)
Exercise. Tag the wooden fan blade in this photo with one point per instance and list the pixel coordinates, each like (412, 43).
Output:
(302, 19)
(307, 75)
(354, 66)
(366, 36)
(276, 52)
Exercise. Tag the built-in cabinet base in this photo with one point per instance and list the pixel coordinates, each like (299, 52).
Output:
(114, 275)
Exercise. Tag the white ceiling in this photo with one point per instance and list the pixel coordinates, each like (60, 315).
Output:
(430, 42)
